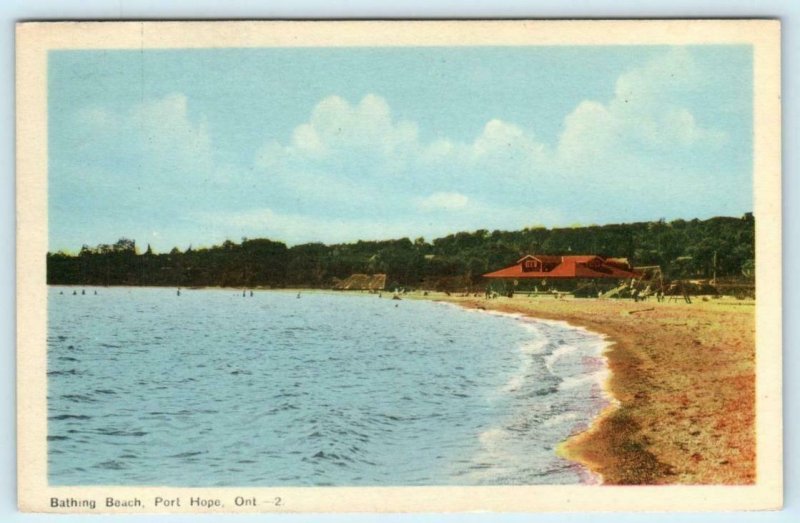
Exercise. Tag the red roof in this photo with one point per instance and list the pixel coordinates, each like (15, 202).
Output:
(582, 266)
(544, 258)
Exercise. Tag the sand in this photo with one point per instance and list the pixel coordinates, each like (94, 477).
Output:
(683, 376)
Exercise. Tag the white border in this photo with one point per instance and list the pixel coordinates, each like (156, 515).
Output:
(32, 237)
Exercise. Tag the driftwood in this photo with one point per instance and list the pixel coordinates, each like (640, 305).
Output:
(642, 310)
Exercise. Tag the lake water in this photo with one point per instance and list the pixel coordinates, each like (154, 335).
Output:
(210, 388)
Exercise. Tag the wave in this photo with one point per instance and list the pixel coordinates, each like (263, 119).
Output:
(559, 352)
(555, 392)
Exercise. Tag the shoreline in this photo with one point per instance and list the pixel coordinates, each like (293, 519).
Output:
(587, 475)
(682, 377)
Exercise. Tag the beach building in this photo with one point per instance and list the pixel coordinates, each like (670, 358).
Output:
(588, 266)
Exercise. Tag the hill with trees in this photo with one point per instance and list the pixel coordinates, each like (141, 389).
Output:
(721, 246)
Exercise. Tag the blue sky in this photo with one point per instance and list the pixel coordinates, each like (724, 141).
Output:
(192, 147)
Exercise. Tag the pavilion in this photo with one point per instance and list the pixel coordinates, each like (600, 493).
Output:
(589, 266)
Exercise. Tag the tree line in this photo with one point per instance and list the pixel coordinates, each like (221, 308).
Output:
(723, 247)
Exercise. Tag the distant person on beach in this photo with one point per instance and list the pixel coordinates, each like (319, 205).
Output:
(179, 292)
(95, 293)
(74, 293)
(83, 292)
(251, 294)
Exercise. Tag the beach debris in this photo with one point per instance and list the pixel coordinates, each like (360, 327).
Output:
(642, 310)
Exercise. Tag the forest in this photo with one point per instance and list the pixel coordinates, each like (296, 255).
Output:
(721, 247)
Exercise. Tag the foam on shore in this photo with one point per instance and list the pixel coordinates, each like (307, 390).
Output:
(558, 391)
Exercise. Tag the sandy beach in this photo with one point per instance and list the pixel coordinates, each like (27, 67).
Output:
(684, 379)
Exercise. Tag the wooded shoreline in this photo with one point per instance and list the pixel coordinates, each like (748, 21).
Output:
(722, 248)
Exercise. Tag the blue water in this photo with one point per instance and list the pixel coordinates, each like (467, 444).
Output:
(212, 389)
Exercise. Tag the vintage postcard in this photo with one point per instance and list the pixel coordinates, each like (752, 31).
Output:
(399, 266)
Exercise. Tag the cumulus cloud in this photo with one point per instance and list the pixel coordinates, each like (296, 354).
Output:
(168, 132)
(158, 136)
(645, 115)
(337, 128)
(347, 153)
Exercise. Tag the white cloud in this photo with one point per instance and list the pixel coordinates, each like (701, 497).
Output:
(336, 127)
(347, 153)
(298, 227)
(442, 201)
(158, 136)
(295, 228)
(503, 141)
(167, 130)
(645, 114)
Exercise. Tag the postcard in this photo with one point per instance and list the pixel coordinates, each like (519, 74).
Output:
(399, 266)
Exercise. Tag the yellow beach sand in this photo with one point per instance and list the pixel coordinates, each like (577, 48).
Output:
(684, 377)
